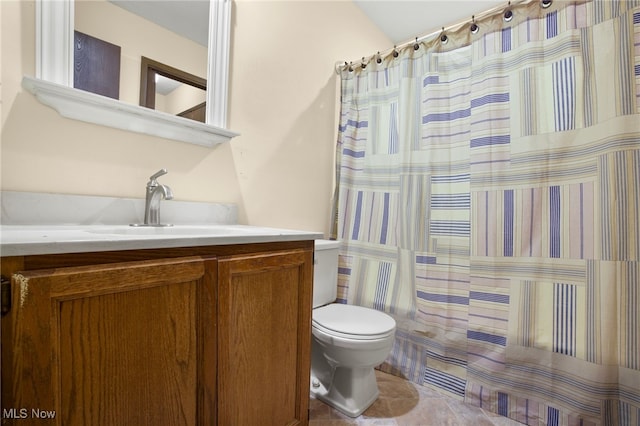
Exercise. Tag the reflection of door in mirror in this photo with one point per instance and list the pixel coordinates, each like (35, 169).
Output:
(96, 65)
(139, 32)
(172, 90)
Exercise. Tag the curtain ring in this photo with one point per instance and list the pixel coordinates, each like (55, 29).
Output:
(416, 46)
(395, 52)
(378, 58)
(363, 65)
(443, 37)
(474, 28)
(350, 67)
(508, 14)
(545, 3)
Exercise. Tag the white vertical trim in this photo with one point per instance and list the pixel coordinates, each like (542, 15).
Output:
(218, 62)
(54, 41)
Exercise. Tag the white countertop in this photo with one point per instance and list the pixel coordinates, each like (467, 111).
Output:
(22, 240)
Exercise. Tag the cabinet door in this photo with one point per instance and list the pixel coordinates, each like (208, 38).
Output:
(264, 331)
(119, 344)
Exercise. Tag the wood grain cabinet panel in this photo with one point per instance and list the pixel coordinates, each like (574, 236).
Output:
(196, 336)
(120, 344)
(263, 348)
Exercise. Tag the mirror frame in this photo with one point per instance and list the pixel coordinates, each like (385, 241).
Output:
(53, 85)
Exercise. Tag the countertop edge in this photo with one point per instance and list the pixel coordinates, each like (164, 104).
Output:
(116, 243)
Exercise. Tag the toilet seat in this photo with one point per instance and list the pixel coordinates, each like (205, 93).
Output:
(353, 322)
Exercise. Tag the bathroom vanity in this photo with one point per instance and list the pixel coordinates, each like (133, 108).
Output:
(109, 326)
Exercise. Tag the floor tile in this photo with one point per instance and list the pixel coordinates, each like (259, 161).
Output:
(403, 403)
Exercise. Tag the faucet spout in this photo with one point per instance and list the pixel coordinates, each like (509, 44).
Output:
(167, 194)
(156, 192)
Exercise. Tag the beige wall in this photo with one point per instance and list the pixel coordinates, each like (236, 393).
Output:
(283, 101)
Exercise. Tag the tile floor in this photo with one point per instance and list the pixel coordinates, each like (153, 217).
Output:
(403, 403)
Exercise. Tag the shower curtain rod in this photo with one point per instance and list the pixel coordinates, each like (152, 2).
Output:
(340, 65)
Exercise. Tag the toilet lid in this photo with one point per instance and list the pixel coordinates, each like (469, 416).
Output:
(353, 320)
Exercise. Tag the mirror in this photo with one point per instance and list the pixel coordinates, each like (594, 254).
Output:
(53, 84)
(115, 39)
(171, 90)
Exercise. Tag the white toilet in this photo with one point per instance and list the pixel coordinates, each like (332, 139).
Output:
(347, 341)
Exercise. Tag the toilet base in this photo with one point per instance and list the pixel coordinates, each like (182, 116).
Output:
(351, 391)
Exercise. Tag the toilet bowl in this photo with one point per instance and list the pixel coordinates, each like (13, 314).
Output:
(348, 341)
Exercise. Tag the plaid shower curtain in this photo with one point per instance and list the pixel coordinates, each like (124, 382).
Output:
(488, 199)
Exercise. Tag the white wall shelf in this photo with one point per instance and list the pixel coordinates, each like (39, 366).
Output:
(97, 109)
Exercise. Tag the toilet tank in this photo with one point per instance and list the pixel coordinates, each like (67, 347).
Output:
(325, 272)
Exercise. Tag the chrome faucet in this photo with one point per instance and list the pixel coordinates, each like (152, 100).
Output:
(155, 193)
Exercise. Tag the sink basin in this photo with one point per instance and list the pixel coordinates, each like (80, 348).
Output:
(177, 230)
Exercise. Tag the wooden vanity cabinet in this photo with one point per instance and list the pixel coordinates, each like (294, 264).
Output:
(215, 335)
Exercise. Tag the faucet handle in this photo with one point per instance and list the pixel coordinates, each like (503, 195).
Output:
(159, 173)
